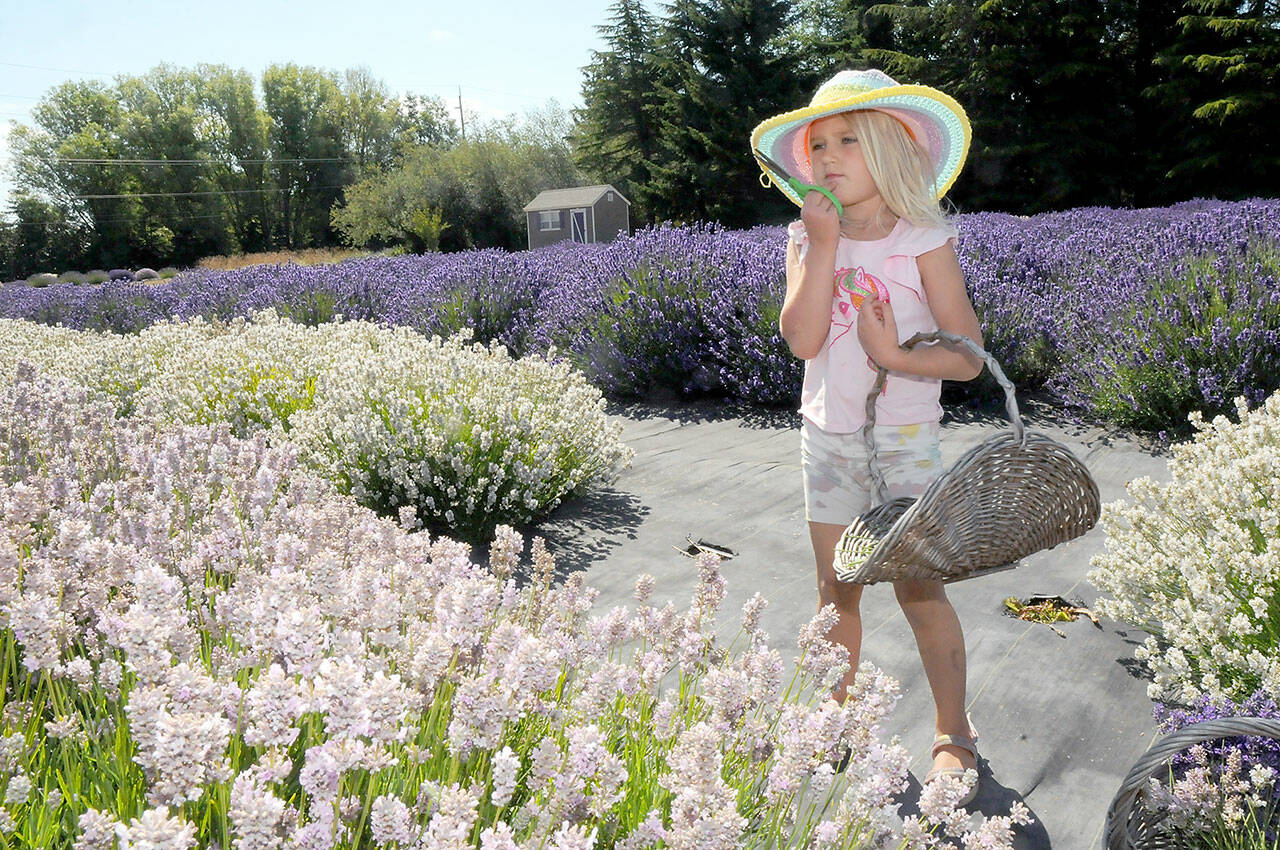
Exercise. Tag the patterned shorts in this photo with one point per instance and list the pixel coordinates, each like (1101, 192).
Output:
(837, 483)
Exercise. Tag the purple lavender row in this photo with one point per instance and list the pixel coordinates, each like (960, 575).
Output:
(1130, 316)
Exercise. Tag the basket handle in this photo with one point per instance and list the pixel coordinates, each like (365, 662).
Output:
(1010, 399)
(1116, 834)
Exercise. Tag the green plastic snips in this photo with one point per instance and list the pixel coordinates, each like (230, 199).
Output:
(776, 172)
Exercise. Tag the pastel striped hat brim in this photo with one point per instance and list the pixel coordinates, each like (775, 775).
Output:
(933, 118)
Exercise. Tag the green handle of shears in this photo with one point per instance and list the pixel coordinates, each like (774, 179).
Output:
(803, 189)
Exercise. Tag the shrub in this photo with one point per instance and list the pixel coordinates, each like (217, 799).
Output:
(1131, 316)
(463, 434)
(120, 274)
(96, 276)
(685, 310)
(1136, 317)
(167, 272)
(71, 277)
(42, 279)
(146, 274)
(1192, 562)
(209, 642)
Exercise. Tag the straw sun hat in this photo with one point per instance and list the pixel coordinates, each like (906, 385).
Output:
(932, 118)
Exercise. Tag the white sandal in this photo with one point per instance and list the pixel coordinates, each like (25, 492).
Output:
(970, 745)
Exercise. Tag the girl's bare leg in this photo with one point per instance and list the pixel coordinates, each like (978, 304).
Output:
(941, 643)
(848, 629)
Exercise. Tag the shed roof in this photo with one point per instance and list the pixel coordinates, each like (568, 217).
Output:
(577, 196)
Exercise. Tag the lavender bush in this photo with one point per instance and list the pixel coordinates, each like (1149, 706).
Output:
(203, 644)
(1264, 752)
(464, 435)
(689, 310)
(1131, 316)
(1193, 561)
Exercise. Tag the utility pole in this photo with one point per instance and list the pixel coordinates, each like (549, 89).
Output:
(462, 119)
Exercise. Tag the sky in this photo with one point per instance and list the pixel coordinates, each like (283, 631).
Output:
(507, 56)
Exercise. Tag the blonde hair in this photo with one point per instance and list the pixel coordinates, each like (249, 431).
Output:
(899, 166)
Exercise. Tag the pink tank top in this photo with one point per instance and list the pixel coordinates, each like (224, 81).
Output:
(837, 380)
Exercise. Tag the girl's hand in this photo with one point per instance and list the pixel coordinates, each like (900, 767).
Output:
(878, 331)
(821, 222)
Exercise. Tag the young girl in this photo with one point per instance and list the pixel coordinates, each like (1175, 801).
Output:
(859, 283)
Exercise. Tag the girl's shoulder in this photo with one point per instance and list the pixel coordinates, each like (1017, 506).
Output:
(912, 240)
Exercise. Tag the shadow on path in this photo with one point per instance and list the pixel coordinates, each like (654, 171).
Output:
(587, 529)
(993, 799)
(708, 410)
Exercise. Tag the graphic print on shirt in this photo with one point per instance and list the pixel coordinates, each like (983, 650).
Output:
(852, 286)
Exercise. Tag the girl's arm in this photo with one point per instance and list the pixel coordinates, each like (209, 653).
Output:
(949, 302)
(806, 311)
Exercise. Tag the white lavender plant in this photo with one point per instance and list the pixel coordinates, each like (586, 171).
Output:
(204, 643)
(463, 434)
(1194, 562)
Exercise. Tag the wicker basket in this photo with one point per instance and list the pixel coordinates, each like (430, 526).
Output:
(1129, 826)
(1008, 497)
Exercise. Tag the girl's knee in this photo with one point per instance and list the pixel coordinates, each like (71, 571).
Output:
(919, 595)
(844, 595)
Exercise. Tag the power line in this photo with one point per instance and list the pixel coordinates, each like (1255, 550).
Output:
(167, 218)
(98, 221)
(64, 70)
(114, 161)
(187, 194)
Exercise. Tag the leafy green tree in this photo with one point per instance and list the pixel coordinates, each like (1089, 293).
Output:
(163, 126)
(77, 126)
(369, 120)
(233, 130)
(40, 240)
(1221, 87)
(723, 68)
(471, 195)
(616, 137)
(305, 106)
(422, 120)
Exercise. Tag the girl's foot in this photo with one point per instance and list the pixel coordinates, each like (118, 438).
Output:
(953, 755)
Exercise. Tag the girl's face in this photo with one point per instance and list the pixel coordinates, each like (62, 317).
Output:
(836, 158)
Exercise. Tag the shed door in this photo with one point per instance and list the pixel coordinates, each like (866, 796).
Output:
(579, 225)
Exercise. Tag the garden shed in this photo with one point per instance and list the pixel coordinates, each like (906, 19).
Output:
(582, 213)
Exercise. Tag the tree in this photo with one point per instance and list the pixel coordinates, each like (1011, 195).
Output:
(616, 138)
(1043, 84)
(423, 120)
(41, 240)
(471, 195)
(828, 36)
(60, 160)
(722, 69)
(1222, 89)
(162, 125)
(369, 121)
(305, 107)
(233, 133)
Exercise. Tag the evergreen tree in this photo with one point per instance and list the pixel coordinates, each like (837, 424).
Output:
(827, 36)
(1043, 84)
(723, 67)
(1223, 90)
(615, 139)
